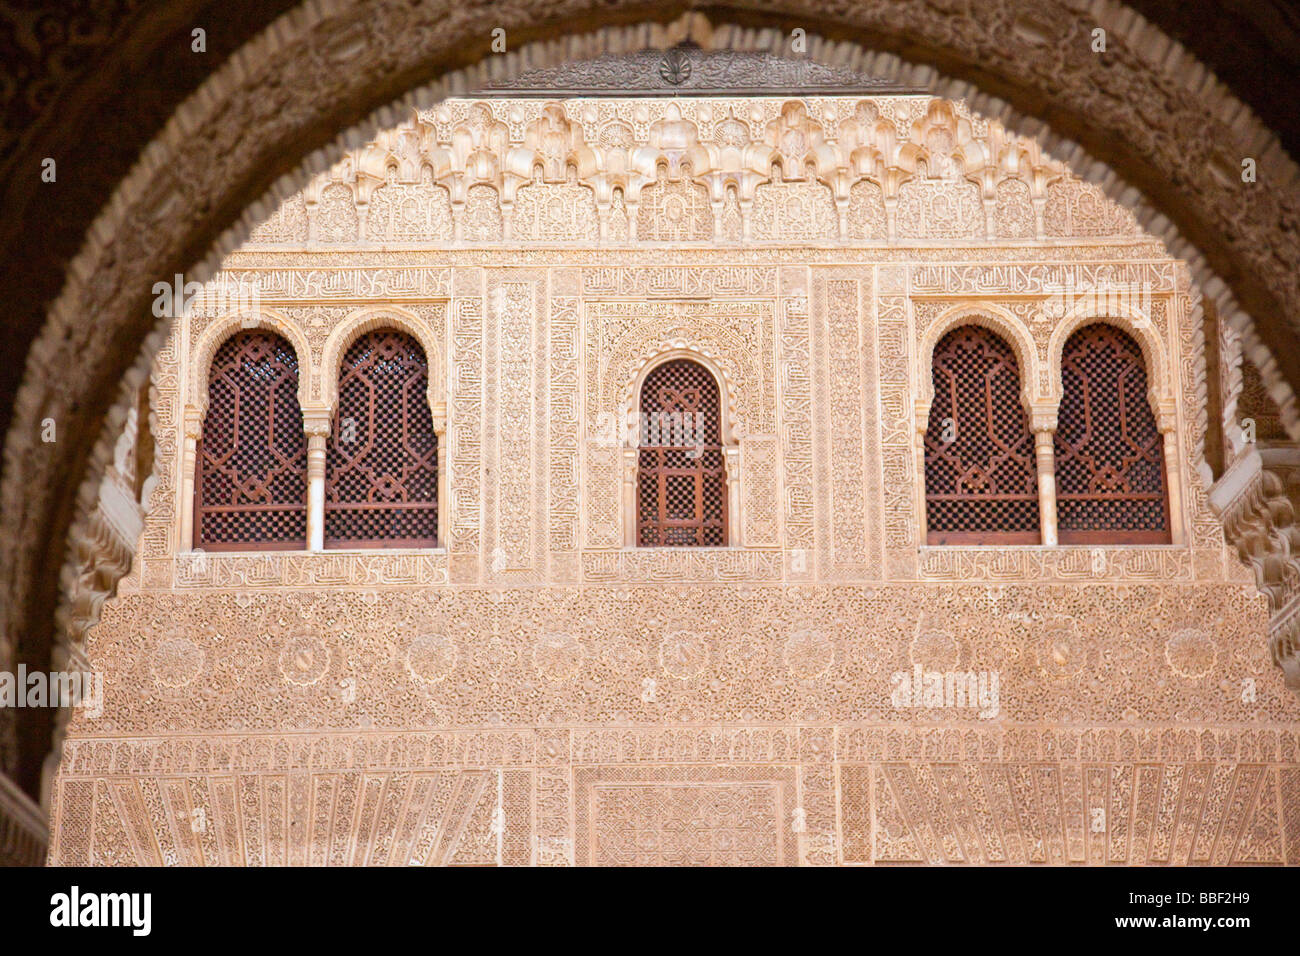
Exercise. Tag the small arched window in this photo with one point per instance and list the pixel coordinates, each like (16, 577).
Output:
(681, 471)
(251, 491)
(1110, 465)
(981, 478)
(381, 465)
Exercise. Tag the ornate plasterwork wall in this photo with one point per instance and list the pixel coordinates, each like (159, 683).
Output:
(533, 691)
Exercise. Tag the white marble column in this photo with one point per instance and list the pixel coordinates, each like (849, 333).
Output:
(1045, 456)
(316, 424)
(1173, 475)
(731, 458)
(193, 428)
(630, 457)
(444, 469)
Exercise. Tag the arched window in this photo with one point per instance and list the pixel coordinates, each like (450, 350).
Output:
(381, 465)
(681, 473)
(981, 478)
(1110, 464)
(251, 491)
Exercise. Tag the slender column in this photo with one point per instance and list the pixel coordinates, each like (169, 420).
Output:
(193, 426)
(1040, 221)
(1172, 482)
(921, 417)
(731, 457)
(891, 217)
(363, 218)
(629, 497)
(1045, 456)
(316, 423)
(444, 469)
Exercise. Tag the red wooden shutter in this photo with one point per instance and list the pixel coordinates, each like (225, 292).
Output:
(381, 465)
(981, 485)
(251, 491)
(681, 496)
(1110, 463)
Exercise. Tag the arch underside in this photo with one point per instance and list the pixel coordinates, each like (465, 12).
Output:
(1236, 235)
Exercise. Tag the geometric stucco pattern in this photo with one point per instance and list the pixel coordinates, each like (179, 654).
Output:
(1033, 34)
(533, 691)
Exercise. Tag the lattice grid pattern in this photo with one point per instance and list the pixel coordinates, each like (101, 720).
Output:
(981, 480)
(251, 491)
(1110, 466)
(681, 474)
(381, 465)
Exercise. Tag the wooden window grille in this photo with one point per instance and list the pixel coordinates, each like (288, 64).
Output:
(1110, 463)
(251, 492)
(681, 471)
(981, 477)
(381, 463)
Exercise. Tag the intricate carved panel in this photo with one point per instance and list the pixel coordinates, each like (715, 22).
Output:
(276, 693)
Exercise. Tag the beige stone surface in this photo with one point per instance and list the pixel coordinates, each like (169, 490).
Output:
(534, 691)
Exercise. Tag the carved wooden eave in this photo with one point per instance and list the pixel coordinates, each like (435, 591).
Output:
(689, 70)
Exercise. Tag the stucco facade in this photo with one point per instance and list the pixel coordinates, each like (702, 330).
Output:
(537, 690)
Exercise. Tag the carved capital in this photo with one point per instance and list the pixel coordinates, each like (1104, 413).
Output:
(1043, 421)
(192, 422)
(316, 422)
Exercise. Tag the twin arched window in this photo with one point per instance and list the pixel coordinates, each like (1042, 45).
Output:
(251, 490)
(381, 459)
(981, 482)
(381, 467)
(1110, 464)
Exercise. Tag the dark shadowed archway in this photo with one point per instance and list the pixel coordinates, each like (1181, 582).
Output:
(1144, 119)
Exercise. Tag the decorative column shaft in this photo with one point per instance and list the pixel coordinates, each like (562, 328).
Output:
(630, 457)
(1045, 457)
(731, 455)
(444, 469)
(316, 424)
(1173, 484)
(193, 426)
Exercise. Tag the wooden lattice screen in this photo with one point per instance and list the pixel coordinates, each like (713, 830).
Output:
(251, 491)
(981, 480)
(1110, 465)
(681, 473)
(381, 466)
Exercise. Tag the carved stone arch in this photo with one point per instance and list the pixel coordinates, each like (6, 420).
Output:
(729, 437)
(223, 328)
(1162, 391)
(36, 506)
(368, 320)
(631, 393)
(997, 320)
